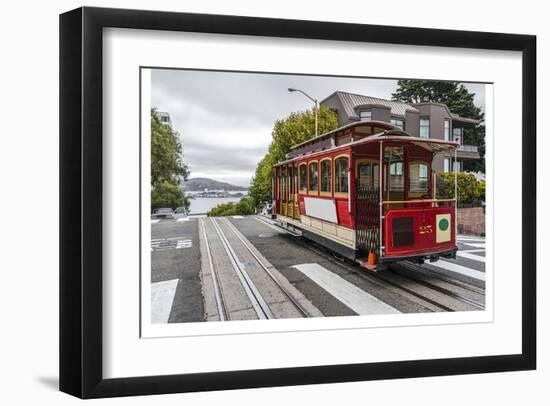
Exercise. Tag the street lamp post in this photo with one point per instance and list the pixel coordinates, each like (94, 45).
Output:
(291, 89)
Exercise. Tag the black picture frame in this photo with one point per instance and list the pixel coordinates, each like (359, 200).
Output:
(81, 174)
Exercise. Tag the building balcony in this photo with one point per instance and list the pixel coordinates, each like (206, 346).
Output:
(468, 148)
(466, 152)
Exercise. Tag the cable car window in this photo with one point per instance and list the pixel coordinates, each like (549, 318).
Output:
(396, 176)
(365, 175)
(303, 178)
(290, 182)
(418, 177)
(368, 174)
(279, 184)
(341, 175)
(326, 175)
(283, 184)
(313, 177)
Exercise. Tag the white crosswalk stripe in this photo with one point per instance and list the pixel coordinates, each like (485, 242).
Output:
(468, 255)
(350, 295)
(450, 266)
(474, 244)
(470, 238)
(162, 297)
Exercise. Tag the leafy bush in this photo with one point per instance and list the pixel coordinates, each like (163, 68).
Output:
(243, 207)
(471, 192)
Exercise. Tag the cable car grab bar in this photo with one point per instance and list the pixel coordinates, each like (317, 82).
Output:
(418, 201)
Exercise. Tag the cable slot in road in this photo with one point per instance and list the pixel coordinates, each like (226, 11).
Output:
(260, 306)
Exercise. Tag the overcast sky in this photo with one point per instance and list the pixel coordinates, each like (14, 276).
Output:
(225, 119)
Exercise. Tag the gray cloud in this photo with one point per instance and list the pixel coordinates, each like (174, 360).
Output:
(225, 119)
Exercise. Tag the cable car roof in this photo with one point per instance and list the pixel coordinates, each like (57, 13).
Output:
(372, 123)
(391, 135)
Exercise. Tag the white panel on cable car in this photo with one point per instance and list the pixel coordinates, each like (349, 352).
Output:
(324, 209)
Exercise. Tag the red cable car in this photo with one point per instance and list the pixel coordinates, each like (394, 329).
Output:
(335, 191)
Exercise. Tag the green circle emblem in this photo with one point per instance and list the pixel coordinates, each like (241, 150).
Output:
(443, 224)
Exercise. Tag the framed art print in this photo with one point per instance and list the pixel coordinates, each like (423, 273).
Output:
(251, 202)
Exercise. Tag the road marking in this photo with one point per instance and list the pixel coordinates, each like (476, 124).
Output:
(472, 244)
(472, 273)
(353, 297)
(155, 221)
(164, 244)
(183, 219)
(238, 217)
(470, 238)
(184, 244)
(466, 254)
(162, 297)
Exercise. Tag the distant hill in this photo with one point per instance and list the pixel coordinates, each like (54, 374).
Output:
(199, 184)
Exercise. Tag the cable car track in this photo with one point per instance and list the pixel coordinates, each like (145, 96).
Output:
(377, 277)
(285, 291)
(256, 299)
(253, 293)
(440, 289)
(218, 292)
(443, 278)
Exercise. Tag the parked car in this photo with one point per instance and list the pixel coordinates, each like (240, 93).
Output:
(181, 212)
(163, 213)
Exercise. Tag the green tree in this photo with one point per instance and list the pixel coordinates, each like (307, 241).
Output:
(168, 194)
(459, 101)
(167, 167)
(245, 206)
(292, 130)
(471, 192)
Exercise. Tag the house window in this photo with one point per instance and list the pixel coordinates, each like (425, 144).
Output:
(303, 178)
(456, 166)
(457, 135)
(326, 175)
(365, 115)
(425, 127)
(398, 123)
(418, 177)
(446, 165)
(447, 130)
(313, 177)
(341, 168)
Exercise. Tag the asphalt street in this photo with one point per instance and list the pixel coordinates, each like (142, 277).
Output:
(175, 256)
(183, 280)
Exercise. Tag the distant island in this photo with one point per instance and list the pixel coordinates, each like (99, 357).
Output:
(200, 184)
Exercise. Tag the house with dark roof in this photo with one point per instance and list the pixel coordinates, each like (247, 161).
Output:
(425, 120)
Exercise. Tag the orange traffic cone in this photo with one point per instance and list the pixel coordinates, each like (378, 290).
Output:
(371, 259)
